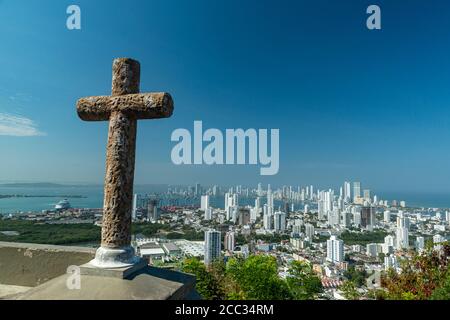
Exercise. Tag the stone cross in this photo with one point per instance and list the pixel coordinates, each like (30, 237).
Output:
(122, 109)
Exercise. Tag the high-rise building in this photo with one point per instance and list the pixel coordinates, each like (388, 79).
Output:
(321, 209)
(260, 190)
(372, 250)
(286, 208)
(420, 244)
(309, 231)
(231, 200)
(269, 198)
(267, 218)
(438, 240)
(244, 216)
(356, 191)
(366, 195)
(402, 231)
(390, 262)
(347, 191)
(208, 213)
(387, 216)
(305, 209)
(335, 250)
(356, 211)
(297, 227)
(333, 217)
(280, 221)
(345, 218)
(258, 205)
(204, 202)
(135, 206)
(212, 246)
(152, 210)
(233, 214)
(388, 245)
(368, 217)
(229, 241)
(198, 189)
(215, 190)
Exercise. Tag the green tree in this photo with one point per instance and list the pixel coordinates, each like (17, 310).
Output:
(442, 292)
(303, 283)
(257, 279)
(356, 276)
(349, 290)
(206, 284)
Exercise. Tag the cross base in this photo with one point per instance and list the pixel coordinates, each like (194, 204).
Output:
(122, 273)
(113, 258)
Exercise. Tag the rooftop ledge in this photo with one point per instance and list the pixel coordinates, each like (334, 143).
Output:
(39, 272)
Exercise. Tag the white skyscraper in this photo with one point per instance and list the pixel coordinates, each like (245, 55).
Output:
(402, 237)
(212, 246)
(280, 221)
(208, 213)
(253, 214)
(335, 250)
(387, 216)
(309, 231)
(260, 190)
(388, 245)
(420, 244)
(204, 203)
(356, 191)
(356, 211)
(258, 205)
(270, 198)
(437, 241)
(321, 209)
(390, 262)
(229, 241)
(267, 218)
(402, 232)
(366, 195)
(135, 205)
(231, 200)
(347, 191)
(325, 204)
(333, 217)
(305, 209)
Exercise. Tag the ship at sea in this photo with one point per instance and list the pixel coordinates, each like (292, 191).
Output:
(62, 205)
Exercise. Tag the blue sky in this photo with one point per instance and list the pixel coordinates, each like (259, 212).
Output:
(350, 103)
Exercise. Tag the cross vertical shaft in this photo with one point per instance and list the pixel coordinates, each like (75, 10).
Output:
(120, 159)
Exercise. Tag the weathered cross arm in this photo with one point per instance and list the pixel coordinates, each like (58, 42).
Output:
(136, 106)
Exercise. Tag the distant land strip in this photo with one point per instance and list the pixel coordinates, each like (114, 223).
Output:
(7, 196)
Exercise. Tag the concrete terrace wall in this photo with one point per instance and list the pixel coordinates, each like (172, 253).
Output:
(29, 265)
